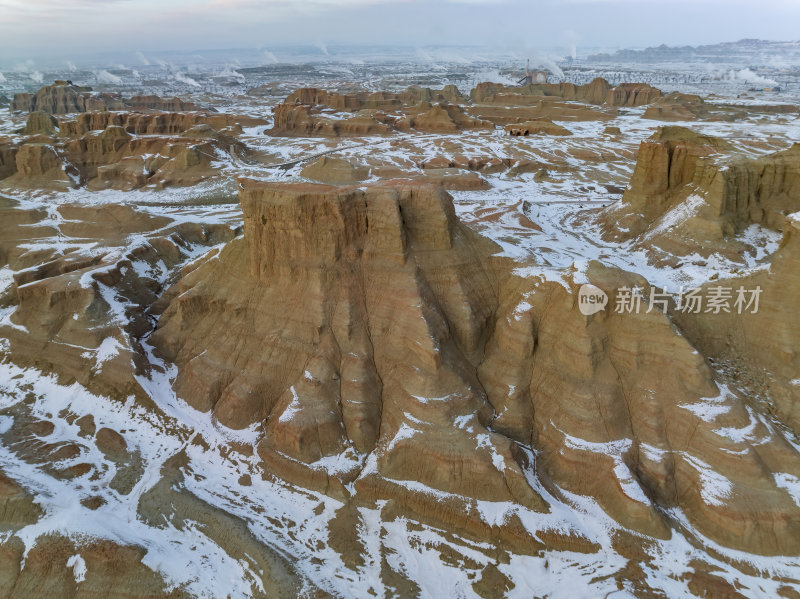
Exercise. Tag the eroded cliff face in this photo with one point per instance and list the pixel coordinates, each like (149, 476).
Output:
(690, 192)
(385, 355)
(598, 91)
(760, 343)
(63, 97)
(106, 150)
(307, 113)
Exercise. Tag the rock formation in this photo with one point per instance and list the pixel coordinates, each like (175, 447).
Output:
(67, 301)
(335, 170)
(375, 101)
(155, 123)
(388, 356)
(116, 150)
(632, 94)
(40, 122)
(63, 97)
(690, 191)
(598, 91)
(158, 104)
(760, 341)
(539, 127)
(308, 112)
(442, 118)
(305, 120)
(677, 107)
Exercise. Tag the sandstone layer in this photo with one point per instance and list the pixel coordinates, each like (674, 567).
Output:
(689, 192)
(387, 356)
(63, 97)
(759, 338)
(598, 91)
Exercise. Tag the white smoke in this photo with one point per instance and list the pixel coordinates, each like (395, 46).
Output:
(494, 77)
(2, 78)
(143, 59)
(270, 56)
(229, 71)
(323, 48)
(104, 76)
(540, 60)
(186, 79)
(71, 66)
(572, 38)
(36, 76)
(751, 78)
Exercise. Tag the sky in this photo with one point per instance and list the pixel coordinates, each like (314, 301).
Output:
(63, 28)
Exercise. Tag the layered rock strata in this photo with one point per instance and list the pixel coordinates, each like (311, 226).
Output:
(688, 190)
(386, 355)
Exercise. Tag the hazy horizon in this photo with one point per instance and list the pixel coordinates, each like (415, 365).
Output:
(46, 30)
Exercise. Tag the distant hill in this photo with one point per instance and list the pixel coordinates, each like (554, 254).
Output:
(746, 50)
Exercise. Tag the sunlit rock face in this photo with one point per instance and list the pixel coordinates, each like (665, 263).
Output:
(374, 388)
(380, 347)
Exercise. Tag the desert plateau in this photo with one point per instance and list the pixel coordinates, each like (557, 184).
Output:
(335, 320)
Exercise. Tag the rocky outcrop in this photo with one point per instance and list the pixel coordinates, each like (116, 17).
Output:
(335, 170)
(126, 151)
(63, 97)
(539, 109)
(442, 118)
(305, 120)
(309, 112)
(156, 123)
(382, 100)
(65, 301)
(632, 94)
(40, 122)
(540, 127)
(677, 107)
(351, 369)
(689, 190)
(760, 341)
(388, 356)
(598, 91)
(56, 564)
(8, 159)
(159, 104)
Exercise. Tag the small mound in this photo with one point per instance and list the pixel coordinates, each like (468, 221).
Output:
(337, 171)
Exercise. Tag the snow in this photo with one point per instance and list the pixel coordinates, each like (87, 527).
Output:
(714, 487)
(78, 566)
(294, 522)
(741, 434)
(678, 215)
(790, 484)
(614, 450)
(292, 409)
(709, 408)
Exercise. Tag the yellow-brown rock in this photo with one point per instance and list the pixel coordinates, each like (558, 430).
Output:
(688, 189)
(539, 127)
(335, 170)
(760, 339)
(40, 122)
(380, 346)
(632, 94)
